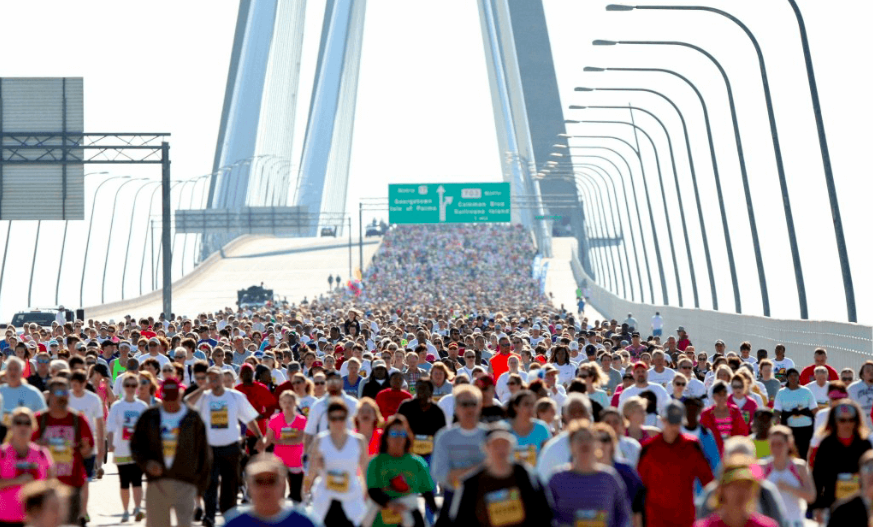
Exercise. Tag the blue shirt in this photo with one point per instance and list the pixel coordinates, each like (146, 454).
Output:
(349, 389)
(599, 497)
(244, 516)
(24, 395)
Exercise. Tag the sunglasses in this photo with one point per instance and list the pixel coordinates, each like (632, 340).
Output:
(678, 384)
(21, 422)
(846, 420)
(131, 385)
(512, 383)
(397, 433)
(61, 393)
(604, 439)
(846, 380)
(467, 404)
(684, 367)
(335, 418)
(583, 377)
(43, 361)
(737, 386)
(266, 481)
(320, 383)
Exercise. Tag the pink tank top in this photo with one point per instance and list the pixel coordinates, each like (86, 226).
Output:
(36, 463)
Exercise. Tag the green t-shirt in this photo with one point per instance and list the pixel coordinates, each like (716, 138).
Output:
(398, 476)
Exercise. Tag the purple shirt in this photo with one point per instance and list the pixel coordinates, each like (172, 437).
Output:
(600, 496)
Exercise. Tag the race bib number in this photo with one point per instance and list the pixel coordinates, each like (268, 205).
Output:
(390, 517)
(527, 454)
(338, 481)
(62, 450)
(422, 445)
(218, 414)
(504, 507)
(169, 439)
(7, 419)
(590, 518)
(287, 433)
(847, 484)
(822, 405)
(26, 467)
(305, 411)
(746, 415)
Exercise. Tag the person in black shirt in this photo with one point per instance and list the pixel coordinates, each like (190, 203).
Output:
(198, 376)
(424, 417)
(491, 412)
(39, 379)
(502, 491)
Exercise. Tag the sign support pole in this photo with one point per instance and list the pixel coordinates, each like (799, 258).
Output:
(165, 231)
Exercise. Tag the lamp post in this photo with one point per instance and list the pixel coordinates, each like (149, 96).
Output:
(130, 232)
(145, 238)
(605, 175)
(88, 238)
(109, 240)
(190, 207)
(599, 229)
(765, 296)
(681, 207)
(656, 244)
(663, 197)
(604, 207)
(63, 246)
(726, 231)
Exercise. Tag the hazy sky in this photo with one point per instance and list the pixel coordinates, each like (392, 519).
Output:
(424, 114)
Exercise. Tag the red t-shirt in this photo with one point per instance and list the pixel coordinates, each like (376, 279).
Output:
(147, 334)
(65, 447)
(499, 364)
(389, 401)
(808, 374)
(261, 399)
(672, 469)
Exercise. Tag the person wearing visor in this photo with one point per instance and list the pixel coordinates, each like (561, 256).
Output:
(835, 467)
(501, 491)
(735, 496)
(69, 440)
(858, 509)
(160, 434)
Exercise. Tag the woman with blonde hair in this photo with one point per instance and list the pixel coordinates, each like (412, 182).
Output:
(740, 398)
(634, 413)
(369, 423)
(594, 378)
(302, 387)
(21, 461)
(147, 388)
(441, 378)
(789, 474)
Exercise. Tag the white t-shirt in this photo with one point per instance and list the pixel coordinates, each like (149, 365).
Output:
(363, 372)
(91, 407)
(566, 373)
(278, 376)
(660, 394)
(317, 420)
(170, 433)
(664, 378)
(121, 422)
(781, 366)
(862, 394)
(305, 404)
(657, 322)
(220, 414)
(160, 357)
(695, 388)
(501, 389)
(787, 400)
(819, 392)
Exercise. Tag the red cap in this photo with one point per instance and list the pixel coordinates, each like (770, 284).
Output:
(170, 383)
(317, 364)
(246, 366)
(541, 359)
(639, 364)
(484, 382)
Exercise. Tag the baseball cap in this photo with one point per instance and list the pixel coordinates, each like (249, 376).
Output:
(379, 364)
(155, 340)
(639, 364)
(674, 412)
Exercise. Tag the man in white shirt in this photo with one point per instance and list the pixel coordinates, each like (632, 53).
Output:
(155, 353)
(317, 420)
(221, 410)
(358, 353)
(819, 386)
(657, 325)
(641, 384)
(781, 364)
(861, 391)
(660, 373)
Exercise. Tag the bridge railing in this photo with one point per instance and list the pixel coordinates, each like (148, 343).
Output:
(848, 344)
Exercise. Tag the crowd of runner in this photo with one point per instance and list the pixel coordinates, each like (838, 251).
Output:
(445, 390)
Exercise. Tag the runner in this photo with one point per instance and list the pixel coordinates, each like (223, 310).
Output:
(120, 426)
(285, 430)
(501, 492)
(21, 462)
(790, 475)
(170, 446)
(338, 461)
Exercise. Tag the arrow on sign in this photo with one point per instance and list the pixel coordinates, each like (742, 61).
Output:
(443, 202)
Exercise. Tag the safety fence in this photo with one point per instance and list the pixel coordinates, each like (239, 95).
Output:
(848, 344)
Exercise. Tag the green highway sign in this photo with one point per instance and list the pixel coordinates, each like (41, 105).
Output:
(449, 203)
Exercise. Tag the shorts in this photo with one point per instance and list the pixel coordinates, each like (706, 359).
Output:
(657, 332)
(89, 466)
(130, 475)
